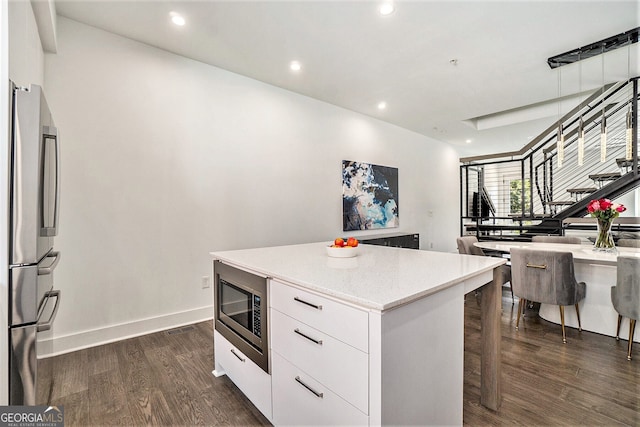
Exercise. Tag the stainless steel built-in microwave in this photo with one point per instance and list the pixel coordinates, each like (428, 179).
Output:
(241, 311)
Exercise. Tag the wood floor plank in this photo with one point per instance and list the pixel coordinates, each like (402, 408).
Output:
(149, 407)
(76, 409)
(196, 367)
(134, 366)
(107, 399)
(243, 412)
(181, 395)
(71, 374)
(102, 358)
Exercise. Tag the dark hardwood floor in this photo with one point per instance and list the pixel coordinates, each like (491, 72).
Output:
(586, 382)
(158, 379)
(165, 379)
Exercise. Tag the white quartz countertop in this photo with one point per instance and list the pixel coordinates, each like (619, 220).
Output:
(378, 278)
(581, 253)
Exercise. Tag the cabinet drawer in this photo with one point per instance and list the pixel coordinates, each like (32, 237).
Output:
(345, 323)
(338, 366)
(295, 404)
(249, 377)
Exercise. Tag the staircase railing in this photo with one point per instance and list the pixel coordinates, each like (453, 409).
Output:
(531, 193)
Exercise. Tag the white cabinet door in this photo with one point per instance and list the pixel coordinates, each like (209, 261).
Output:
(340, 367)
(300, 400)
(345, 323)
(249, 377)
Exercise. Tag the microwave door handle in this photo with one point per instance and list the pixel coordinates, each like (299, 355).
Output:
(41, 327)
(49, 269)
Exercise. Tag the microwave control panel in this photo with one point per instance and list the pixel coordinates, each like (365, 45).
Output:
(257, 329)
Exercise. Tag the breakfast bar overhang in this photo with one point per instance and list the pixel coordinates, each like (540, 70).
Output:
(414, 302)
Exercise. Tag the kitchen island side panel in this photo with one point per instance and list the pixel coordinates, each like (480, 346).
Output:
(419, 352)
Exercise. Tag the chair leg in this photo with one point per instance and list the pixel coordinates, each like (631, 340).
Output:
(520, 303)
(524, 305)
(578, 314)
(564, 336)
(512, 299)
(618, 329)
(632, 327)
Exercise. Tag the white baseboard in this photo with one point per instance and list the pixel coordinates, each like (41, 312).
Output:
(112, 333)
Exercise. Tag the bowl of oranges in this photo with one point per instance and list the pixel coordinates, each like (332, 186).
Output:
(343, 247)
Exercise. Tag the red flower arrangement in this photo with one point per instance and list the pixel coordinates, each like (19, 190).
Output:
(605, 209)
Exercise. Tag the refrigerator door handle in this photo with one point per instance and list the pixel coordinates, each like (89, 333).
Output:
(50, 228)
(49, 269)
(47, 325)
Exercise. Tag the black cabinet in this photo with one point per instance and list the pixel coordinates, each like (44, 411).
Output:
(409, 241)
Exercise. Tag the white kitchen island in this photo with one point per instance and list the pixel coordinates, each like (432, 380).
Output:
(391, 331)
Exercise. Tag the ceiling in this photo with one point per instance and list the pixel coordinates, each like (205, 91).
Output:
(455, 71)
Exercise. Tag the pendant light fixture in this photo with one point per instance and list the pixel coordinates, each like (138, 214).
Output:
(560, 145)
(580, 142)
(560, 140)
(629, 133)
(629, 143)
(603, 138)
(603, 124)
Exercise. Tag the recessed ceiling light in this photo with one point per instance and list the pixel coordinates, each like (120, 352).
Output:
(295, 66)
(382, 105)
(387, 8)
(177, 19)
(468, 141)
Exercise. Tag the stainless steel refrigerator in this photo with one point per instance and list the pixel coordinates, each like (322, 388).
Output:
(34, 206)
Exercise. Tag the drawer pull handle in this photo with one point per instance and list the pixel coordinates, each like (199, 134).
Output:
(317, 307)
(542, 267)
(297, 331)
(238, 356)
(299, 381)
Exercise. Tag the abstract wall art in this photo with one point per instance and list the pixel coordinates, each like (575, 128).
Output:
(369, 196)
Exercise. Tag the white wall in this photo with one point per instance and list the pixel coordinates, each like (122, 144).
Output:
(165, 159)
(26, 57)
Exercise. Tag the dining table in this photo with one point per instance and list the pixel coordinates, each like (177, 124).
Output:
(597, 269)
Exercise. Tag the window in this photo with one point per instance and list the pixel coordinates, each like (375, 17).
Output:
(516, 194)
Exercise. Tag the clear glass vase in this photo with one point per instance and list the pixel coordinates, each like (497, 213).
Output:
(604, 239)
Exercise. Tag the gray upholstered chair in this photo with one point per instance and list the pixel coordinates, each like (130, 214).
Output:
(625, 296)
(466, 247)
(557, 239)
(629, 243)
(546, 277)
